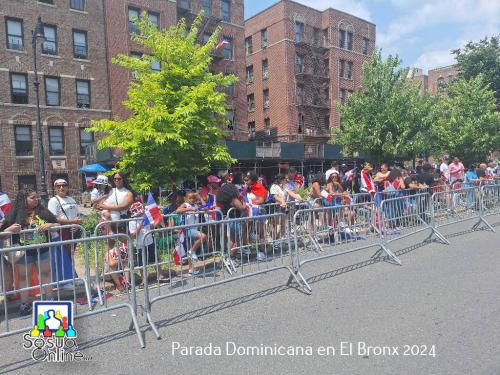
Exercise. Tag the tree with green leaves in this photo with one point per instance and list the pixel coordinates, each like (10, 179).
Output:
(178, 113)
(481, 57)
(465, 121)
(387, 119)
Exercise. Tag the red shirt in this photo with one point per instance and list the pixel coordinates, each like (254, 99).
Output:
(259, 190)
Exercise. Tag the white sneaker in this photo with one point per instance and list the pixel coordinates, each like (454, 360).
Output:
(193, 256)
(261, 257)
(194, 272)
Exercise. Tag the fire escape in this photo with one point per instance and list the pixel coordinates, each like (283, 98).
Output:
(312, 78)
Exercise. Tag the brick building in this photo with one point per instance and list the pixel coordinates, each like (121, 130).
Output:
(73, 88)
(438, 77)
(225, 13)
(300, 62)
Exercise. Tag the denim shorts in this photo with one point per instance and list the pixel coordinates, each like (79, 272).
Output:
(33, 258)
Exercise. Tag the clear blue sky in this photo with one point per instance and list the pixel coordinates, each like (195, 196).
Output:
(421, 32)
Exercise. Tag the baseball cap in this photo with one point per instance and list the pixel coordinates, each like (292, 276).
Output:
(101, 180)
(60, 181)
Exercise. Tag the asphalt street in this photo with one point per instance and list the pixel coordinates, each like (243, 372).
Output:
(438, 313)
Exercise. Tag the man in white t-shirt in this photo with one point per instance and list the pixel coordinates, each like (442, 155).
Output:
(444, 170)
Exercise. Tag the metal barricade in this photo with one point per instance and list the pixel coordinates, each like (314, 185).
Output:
(452, 206)
(490, 201)
(27, 272)
(236, 249)
(404, 216)
(326, 232)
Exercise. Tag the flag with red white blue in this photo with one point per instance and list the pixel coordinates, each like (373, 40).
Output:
(152, 213)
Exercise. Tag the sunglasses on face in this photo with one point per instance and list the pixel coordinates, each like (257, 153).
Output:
(117, 178)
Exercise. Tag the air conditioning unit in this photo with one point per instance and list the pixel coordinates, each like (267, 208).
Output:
(264, 44)
(265, 74)
(266, 104)
(308, 131)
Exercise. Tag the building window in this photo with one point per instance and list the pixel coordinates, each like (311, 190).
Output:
(263, 38)
(366, 43)
(46, 1)
(56, 141)
(349, 41)
(341, 68)
(301, 121)
(327, 122)
(325, 37)
(299, 64)
(265, 69)
(52, 91)
(156, 66)
(80, 44)
(230, 119)
(207, 8)
(154, 18)
(15, 37)
(299, 31)
(77, 4)
(23, 140)
(316, 96)
(316, 36)
(19, 88)
(300, 94)
(267, 126)
(228, 48)
(440, 85)
(133, 16)
(349, 70)
(326, 68)
(27, 182)
(265, 96)
(49, 46)
(343, 96)
(342, 38)
(248, 45)
(86, 139)
(251, 103)
(229, 90)
(251, 130)
(82, 93)
(184, 4)
(225, 10)
(249, 74)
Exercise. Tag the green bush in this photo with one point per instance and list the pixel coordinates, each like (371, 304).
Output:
(90, 222)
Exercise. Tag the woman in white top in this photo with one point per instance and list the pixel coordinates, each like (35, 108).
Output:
(64, 208)
(119, 200)
(281, 195)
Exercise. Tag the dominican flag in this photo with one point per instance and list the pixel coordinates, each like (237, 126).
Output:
(151, 212)
(5, 205)
(252, 209)
(221, 44)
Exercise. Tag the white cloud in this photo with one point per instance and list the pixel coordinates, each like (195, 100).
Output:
(434, 59)
(354, 7)
(426, 14)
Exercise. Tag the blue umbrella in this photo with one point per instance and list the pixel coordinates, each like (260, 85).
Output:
(94, 168)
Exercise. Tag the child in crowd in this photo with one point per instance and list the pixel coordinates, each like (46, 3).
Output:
(142, 241)
(99, 194)
(117, 259)
(195, 238)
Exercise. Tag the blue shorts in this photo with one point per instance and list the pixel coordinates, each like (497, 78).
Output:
(192, 233)
(33, 258)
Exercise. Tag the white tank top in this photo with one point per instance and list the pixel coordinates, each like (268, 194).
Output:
(117, 198)
(191, 218)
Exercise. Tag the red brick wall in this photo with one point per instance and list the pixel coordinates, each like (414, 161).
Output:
(67, 69)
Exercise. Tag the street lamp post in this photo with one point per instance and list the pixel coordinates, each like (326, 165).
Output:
(35, 35)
